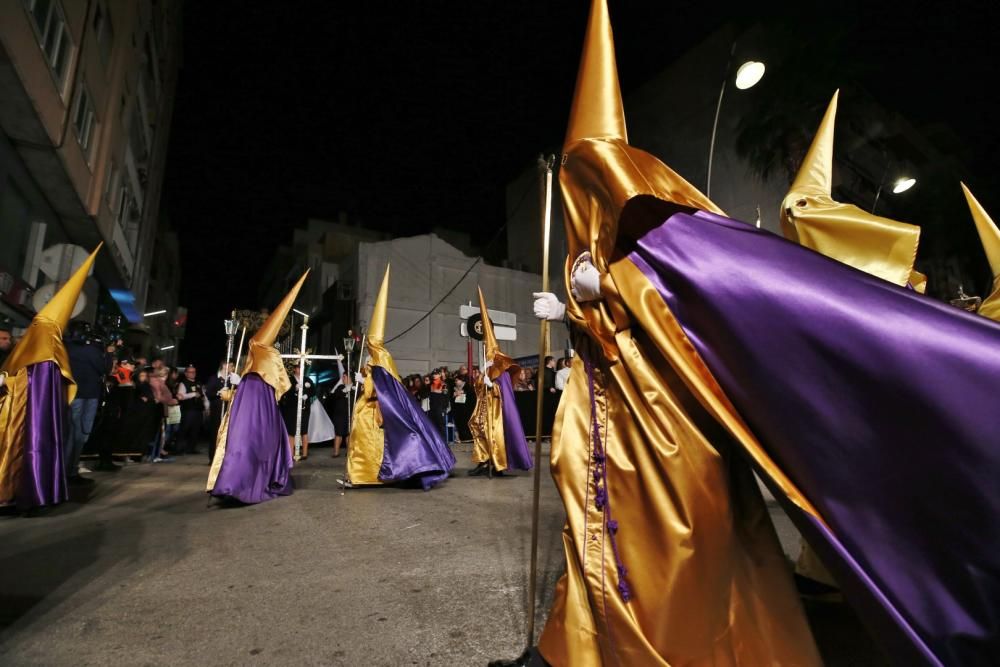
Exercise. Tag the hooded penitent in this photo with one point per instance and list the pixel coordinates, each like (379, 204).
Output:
(39, 384)
(497, 433)
(253, 459)
(809, 215)
(392, 440)
(990, 237)
(864, 406)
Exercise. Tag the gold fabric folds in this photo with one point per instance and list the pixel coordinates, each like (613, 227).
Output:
(41, 342)
(486, 422)
(709, 583)
(263, 359)
(810, 216)
(990, 237)
(367, 443)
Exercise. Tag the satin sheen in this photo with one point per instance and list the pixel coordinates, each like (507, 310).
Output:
(43, 475)
(414, 449)
(497, 432)
(879, 406)
(255, 460)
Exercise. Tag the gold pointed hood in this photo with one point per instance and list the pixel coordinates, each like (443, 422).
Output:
(262, 357)
(376, 330)
(989, 235)
(601, 173)
(43, 340)
(809, 216)
(501, 362)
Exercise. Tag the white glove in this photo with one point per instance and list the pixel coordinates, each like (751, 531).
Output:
(585, 279)
(487, 381)
(548, 306)
(358, 378)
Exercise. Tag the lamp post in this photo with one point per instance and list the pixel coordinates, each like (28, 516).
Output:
(748, 75)
(899, 186)
(230, 327)
(349, 348)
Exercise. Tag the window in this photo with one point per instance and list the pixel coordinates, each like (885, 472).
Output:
(104, 32)
(83, 118)
(53, 36)
(111, 185)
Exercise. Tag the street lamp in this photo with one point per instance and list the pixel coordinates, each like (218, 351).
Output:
(748, 75)
(900, 186)
(903, 184)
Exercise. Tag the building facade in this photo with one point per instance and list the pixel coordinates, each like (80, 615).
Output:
(86, 96)
(431, 279)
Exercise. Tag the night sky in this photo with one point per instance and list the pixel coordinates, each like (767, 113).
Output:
(410, 115)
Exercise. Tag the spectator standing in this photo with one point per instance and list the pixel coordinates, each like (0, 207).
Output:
(165, 401)
(438, 403)
(562, 373)
(548, 378)
(90, 363)
(194, 406)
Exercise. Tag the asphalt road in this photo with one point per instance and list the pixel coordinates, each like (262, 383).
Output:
(142, 570)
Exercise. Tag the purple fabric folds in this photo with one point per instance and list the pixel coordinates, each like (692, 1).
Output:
(518, 454)
(43, 475)
(413, 447)
(878, 403)
(258, 461)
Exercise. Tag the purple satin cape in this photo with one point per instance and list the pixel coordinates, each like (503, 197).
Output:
(880, 405)
(518, 454)
(414, 449)
(258, 461)
(43, 475)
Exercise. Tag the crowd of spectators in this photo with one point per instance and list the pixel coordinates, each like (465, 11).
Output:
(449, 397)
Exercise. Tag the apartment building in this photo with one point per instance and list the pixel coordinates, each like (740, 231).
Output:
(86, 95)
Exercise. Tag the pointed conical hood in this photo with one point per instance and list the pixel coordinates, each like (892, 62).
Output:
(60, 309)
(262, 357)
(989, 235)
(268, 331)
(600, 173)
(376, 328)
(597, 103)
(811, 217)
(43, 339)
(816, 173)
(501, 362)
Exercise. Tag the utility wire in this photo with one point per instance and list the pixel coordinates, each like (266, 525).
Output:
(517, 207)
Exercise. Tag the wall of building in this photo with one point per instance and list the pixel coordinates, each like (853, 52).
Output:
(84, 130)
(424, 268)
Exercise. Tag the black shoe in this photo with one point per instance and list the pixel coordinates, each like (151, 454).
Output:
(79, 480)
(480, 469)
(107, 467)
(497, 473)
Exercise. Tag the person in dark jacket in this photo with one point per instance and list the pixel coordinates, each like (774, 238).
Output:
(90, 362)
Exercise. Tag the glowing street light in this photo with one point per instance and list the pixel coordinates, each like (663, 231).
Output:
(749, 74)
(903, 184)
